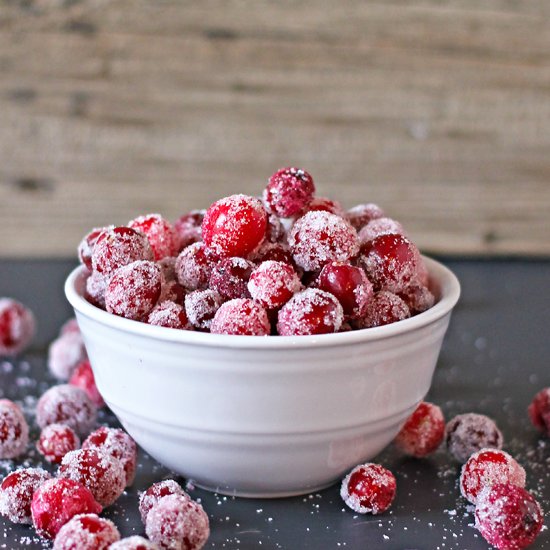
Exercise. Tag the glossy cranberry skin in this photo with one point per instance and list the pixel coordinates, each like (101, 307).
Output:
(161, 235)
(539, 411)
(384, 308)
(194, 265)
(153, 494)
(188, 228)
(289, 191)
(230, 276)
(349, 284)
(83, 378)
(234, 226)
(86, 532)
(368, 488)
(241, 317)
(17, 326)
(362, 214)
(272, 284)
(55, 441)
(14, 430)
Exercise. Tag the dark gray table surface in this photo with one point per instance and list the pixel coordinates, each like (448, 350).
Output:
(494, 359)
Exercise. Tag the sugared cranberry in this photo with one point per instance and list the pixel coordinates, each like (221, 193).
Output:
(289, 191)
(86, 246)
(134, 542)
(468, 433)
(96, 284)
(160, 233)
(234, 226)
(16, 493)
(539, 411)
(149, 498)
(86, 532)
(423, 431)
(55, 441)
(230, 276)
(277, 252)
(56, 501)
(134, 290)
(241, 316)
(83, 378)
(119, 246)
(275, 231)
(380, 226)
(70, 325)
(368, 488)
(391, 262)
(66, 404)
(97, 470)
(311, 311)
(119, 445)
(188, 228)
(14, 430)
(324, 204)
(349, 284)
(384, 308)
(179, 523)
(17, 326)
(170, 315)
(65, 353)
(272, 284)
(171, 291)
(362, 214)
(417, 297)
(168, 268)
(321, 237)
(201, 306)
(194, 265)
(487, 467)
(508, 517)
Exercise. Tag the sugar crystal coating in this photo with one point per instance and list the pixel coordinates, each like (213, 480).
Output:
(289, 191)
(275, 231)
(161, 235)
(201, 306)
(171, 315)
(134, 542)
(16, 492)
(361, 214)
(241, 316)
(14, 430)
(229, 277)
(86, 246)
(324, 204)
(153, 494)
(272, 284)
(17, 326)
(277, 252)
(83, 378)
(418, 298)
(96, 284)
(194, 265)
(539, 411)
(188, 228)
(86, 532)
(65, 353)
(383, 308)
(55, 441)
(379, 226)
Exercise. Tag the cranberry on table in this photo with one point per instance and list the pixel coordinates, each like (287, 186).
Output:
(311, 311)
(539, 411)
(508, 517)
(86, 246)
(229, 277)
(272, 284)
(241, 316)
(319, 237)
(153, 494)
(380, 226)
(423, 431)
(368, 488)
(134, 542)
(188, 228)
(170, 315)
(65, 353)
(194, 265)
(17, 326)
(178, 523)
(487, 467)
(119, 445)
(234, 226)
(361, 214)
(16, 491)
(55, 441)
(162, 236)
(201, 306)
(383, 308)
(83, 378)
(14, 430)
(134, 290)
(468, 433)
(86, 532)
(289, 191)
(98, 471)
(56, 501)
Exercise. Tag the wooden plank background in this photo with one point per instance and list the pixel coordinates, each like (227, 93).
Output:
(437, 110)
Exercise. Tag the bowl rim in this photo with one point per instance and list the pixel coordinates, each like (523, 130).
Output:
(443, 277)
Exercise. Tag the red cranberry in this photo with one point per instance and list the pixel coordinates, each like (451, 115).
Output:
(508, 517)
(86, 532)
(368, 488)
(66, 404)
(468, 433)
(423, 431)
(241, 316)
(83, 378)
(230, 276)
(383, 309)
(56, 440)
(379, 226)
(320, 237)
(324, 204)
(119, 246)
(311, 311)
(487, 467)
(289, 191)
(97, 470)
(14, 430)
(201, 306)
(272, 284)
(171, 291)
(17, 326)
(194, 265)
(56, 501)
(539, 411)
(362, 214)
(134, 290)
(188, 228)
(170, 315)
(16, 493)
(158, 490)
(277, 252)
(160, 233)
(86, 246)
(418, 298)
(65, 353)
(234, 226)
(96, 284)
(178, 522)
(118, 444)
(349, 284)
(134, 542)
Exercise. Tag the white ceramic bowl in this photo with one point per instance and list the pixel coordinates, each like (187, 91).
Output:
(263, 416)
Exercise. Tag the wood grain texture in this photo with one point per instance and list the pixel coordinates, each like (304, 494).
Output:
(437, 110)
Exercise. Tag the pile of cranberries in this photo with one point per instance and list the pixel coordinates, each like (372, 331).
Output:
(290, 263)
